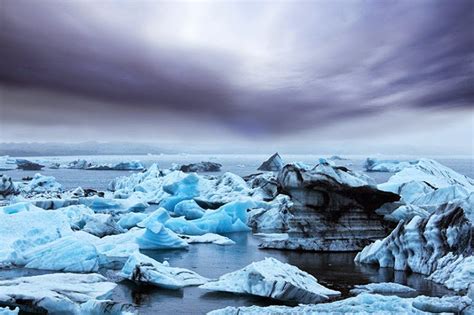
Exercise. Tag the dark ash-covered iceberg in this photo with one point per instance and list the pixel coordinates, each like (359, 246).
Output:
(333, 209)
(274, 163)
(28, 165)
(201, 167)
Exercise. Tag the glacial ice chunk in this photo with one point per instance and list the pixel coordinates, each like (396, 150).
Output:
(131, 219)
(208, 238)
(382, 288)
(189, 209)
(364, 303)
(274, 163)
(376, 165)
(58, 293)
(157, 236)
(143, 269)
(274, 279)
(68, 254)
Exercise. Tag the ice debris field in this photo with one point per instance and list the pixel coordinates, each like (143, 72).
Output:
(88, 242)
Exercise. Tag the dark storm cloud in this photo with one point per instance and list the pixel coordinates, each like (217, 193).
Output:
(321, 68)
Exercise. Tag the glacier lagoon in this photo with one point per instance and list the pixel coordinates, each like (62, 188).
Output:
(238, 164)
(335, 271)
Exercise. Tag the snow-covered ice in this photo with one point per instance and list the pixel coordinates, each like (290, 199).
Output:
(382, 288)
(208, 238)
(59, 293)
(376, 165)
(274, 279)
(145, 270)
(364, 303)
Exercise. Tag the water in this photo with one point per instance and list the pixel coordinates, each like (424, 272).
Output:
(334, 270)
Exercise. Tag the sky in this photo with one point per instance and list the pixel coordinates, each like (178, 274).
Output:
(351, 74)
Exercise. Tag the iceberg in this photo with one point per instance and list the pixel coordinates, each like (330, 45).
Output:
(42, 184)
(157, 236)
(101, 225)
(274, 163)
(201, 167)
(455, 272)
(271, 216)
(427, 173)
(375, 165)
(83, 218)
(274, 279)
(265, 185)
(382, 288)
(28, 165)
(364, 303)
(78, 164)
(433, 199)
(333, 209)
(445, 304)
(144, 270)
(22, 231)
(122, 166)
(131, 219)
(420, 244)
(81, 164)
(7, 163)
(168, 188)
(7, 187)
(189, 209)
(100, 204)
(68, 254)
(231, 217)
(208, 238)
(58, 293)
(406, 213)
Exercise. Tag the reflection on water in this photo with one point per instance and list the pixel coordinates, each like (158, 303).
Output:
(334, 270)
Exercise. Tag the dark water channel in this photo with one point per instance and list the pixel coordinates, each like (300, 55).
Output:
(334, 270)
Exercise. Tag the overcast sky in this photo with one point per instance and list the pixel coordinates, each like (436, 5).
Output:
(289, 73)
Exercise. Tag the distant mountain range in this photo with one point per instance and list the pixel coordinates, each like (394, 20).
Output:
(83, 148)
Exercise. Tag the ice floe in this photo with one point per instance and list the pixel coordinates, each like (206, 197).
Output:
(41, 184)
(274, 279)
(376, 165)
(201, 167)
(382, 288)
(7, 187)
(145, 270)
(364, 303)
(59, 293)
(208, 238)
